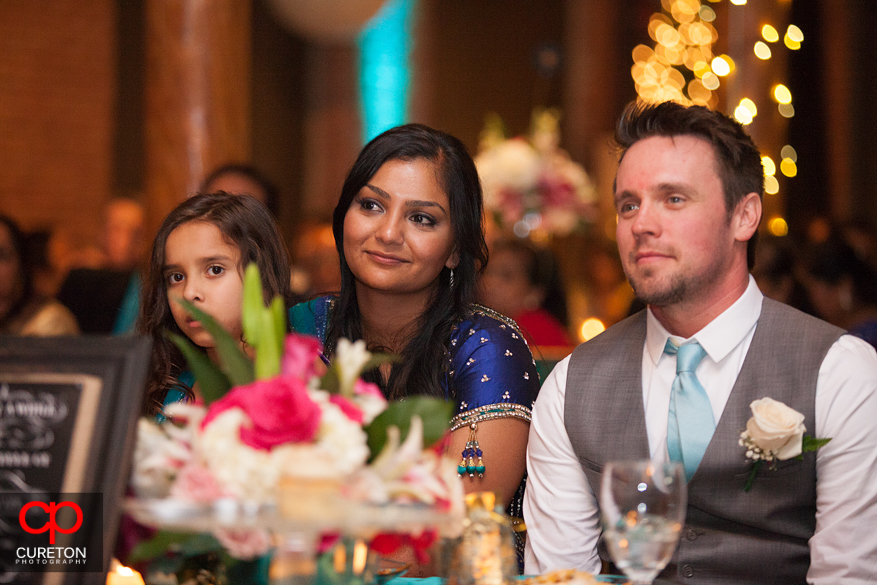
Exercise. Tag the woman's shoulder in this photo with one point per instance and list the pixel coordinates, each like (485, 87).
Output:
(49, 317)
(311, 317)
(480, 319)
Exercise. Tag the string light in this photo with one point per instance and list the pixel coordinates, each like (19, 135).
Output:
(682, 66)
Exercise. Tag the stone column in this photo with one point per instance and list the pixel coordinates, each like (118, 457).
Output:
(197, 86)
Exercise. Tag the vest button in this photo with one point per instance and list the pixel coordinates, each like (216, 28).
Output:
(691, 535)
(687, 571)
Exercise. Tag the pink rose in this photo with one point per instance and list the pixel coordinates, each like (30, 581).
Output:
(367, 388)
(280, 411)
(196, 484)
(300, 355)
(349, 409)
(244, 544)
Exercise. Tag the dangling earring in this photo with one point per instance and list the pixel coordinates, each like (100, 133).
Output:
(472, 450)
(452, 278)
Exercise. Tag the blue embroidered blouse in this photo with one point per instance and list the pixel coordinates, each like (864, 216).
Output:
(491, 372)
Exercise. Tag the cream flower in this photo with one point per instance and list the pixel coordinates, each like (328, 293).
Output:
(775, 431)
(350, 358)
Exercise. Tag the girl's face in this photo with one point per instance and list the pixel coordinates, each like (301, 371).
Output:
(397, 232)
(201, 266)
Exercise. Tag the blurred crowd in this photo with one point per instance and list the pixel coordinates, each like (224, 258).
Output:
(50, 285)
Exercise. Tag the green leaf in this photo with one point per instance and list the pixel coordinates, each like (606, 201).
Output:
(267, 348)
(330, 382)
(232, 360)
(811, 443)
(211, 381)
(378, 359)
(254, 304)
(165, 541)
(278, 310)
(434, 412)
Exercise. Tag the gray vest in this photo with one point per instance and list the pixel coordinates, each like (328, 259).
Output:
(730, 536)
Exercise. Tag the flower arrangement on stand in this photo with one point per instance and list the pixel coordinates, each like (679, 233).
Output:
(531, 186)
(291, 432)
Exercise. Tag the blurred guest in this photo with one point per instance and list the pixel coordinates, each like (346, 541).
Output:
(775, 272)
(843, 289)
(105, 294)
(524, 283)
(317, 258)
(243, 179)
(610, 295)
(22, 312)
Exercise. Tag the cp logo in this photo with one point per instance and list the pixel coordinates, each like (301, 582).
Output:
(51, 525)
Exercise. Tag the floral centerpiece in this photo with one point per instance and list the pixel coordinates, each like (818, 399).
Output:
(292, 430)
(530, 184)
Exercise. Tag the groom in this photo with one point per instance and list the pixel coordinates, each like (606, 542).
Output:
(688, 194)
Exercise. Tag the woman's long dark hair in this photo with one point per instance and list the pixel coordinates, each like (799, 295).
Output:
(244, 222)
(423, 358)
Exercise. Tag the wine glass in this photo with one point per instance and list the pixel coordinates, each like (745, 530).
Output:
(642, 504)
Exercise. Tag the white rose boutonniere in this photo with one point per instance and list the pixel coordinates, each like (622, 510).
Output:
(775, 433)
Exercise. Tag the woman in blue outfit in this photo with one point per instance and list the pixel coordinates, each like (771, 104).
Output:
(409, 233)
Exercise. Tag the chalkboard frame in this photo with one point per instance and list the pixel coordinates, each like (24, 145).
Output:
(121, 365)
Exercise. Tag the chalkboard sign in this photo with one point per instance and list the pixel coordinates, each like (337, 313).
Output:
(68, 413)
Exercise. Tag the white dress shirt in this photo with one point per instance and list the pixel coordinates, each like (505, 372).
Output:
(561, 511)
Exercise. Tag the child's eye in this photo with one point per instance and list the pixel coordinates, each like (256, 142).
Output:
(215, 270)
(423, 219)
(174, 278)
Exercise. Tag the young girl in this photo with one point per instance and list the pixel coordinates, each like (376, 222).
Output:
(199, 255)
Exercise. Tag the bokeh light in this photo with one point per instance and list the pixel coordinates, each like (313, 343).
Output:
(771, 185)
(770, 168)
(762, 51)
(591, 328)
(786, 110)
(782, 94)
(722, 65)
(789, 152)
(770, 34)
(778, 227)
(788, 167)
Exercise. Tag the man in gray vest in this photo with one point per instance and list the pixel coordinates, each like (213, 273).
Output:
(688, 194)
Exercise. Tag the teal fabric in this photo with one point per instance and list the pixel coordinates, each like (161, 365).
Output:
(126, 318)
(690, 423)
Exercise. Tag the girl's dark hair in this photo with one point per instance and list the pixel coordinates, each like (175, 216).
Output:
(269, 189)
(423, 358)
(540, 266)
(244, 222)
(24, 272)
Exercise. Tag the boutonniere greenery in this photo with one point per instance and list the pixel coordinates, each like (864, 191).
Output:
(775, 433)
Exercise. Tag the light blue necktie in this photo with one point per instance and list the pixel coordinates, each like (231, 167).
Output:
(690, 425)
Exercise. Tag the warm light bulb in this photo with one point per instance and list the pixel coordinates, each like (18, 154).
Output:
(762, 51)
(743, 115)
(778, 226)
(722, 65)
(591, 328)
(782, 94)
(738, 2)
(770, 34)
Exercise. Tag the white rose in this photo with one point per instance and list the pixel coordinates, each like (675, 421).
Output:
(776, 428)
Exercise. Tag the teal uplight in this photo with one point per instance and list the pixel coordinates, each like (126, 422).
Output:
(384, 69)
